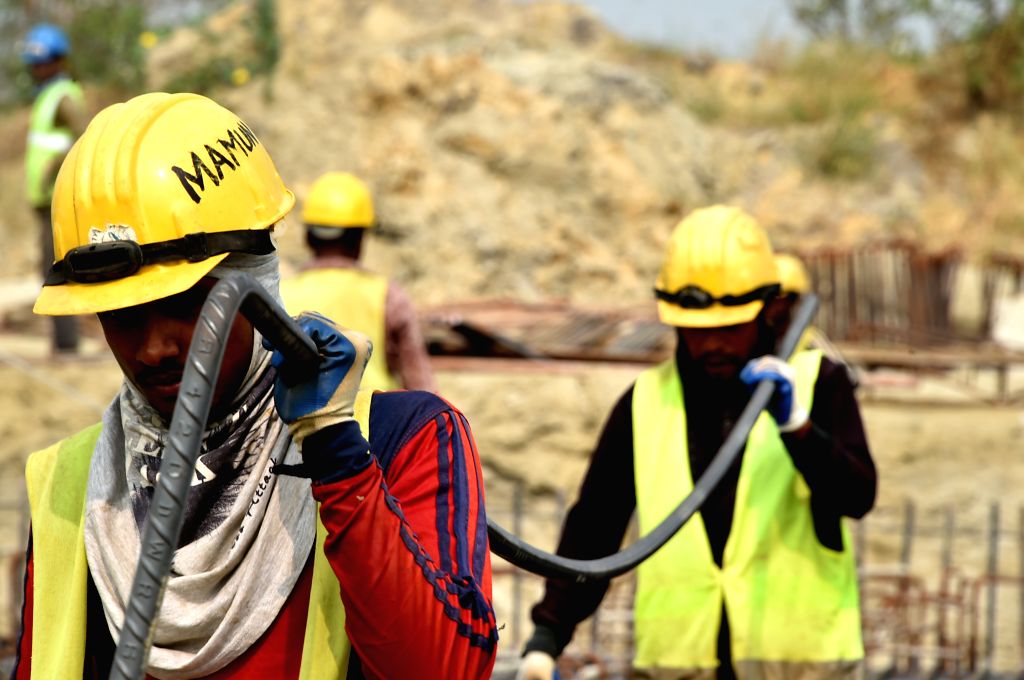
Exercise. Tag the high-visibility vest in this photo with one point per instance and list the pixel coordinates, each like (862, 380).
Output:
(352, 298)
(788, 598)
(46, 140)
(57, 478)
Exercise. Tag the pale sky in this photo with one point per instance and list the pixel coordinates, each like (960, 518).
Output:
(726, 27)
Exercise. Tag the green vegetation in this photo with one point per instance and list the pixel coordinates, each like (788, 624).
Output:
(210, 74)
(110, 39)
(709, 105)
(978, 43)
(254, 51)
(844, 149)
(105, 39)
(833, 80)
(104, 36)
(936, 66)
(264, 30)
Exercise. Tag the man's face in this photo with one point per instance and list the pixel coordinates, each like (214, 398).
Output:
(151, 341)
(42, 72)
(778, 312)
(721, 352)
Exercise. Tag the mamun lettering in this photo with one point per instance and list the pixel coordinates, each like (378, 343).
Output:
(241, 139)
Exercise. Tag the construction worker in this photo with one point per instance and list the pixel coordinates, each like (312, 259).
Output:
(307, 551)
(338, 213)
(794, 283)
(58, 118)
(762, 582)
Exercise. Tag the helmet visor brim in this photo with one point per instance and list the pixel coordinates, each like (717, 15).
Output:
(150, 283)
(715, 316)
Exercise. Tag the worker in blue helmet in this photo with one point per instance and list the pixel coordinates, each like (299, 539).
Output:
(44, 44)
(58, 118)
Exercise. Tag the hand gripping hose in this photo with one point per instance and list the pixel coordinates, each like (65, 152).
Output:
(163, 527)
(531, 559)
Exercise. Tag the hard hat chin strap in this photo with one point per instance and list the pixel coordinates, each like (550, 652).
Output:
(112, 260)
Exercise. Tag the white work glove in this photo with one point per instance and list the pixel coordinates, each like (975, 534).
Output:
(536, 665)
(787, 411)
(329, 397)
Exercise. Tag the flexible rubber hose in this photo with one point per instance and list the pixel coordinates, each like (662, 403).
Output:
(167, 510)
(239, 292)
(527, 557)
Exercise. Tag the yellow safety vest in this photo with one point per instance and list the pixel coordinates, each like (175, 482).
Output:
(789, 599)
(354, 298)
(56, 478)
(47, 141)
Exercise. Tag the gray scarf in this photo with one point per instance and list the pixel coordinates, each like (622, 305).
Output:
(247, 535)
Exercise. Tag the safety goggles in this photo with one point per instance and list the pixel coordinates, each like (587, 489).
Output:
(695, 297)
(117, 259)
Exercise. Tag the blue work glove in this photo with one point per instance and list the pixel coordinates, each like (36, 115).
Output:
(788, 413)
(329, 397)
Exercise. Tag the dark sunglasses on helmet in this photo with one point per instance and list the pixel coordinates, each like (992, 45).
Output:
(117, 259)
(695, 297)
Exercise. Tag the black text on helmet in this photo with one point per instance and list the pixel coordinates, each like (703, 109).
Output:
(243, 139)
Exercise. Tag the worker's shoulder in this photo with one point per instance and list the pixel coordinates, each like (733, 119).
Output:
(826, 366)
(396, 416)
(84, 439)
(832, 376)
(334, 268)
(76, 449)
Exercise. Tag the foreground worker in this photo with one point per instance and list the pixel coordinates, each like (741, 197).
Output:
(338, 213)
(58, 118)
(307, 551)
(762, 582)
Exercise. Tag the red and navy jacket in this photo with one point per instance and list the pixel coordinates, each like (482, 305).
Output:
(407, 539)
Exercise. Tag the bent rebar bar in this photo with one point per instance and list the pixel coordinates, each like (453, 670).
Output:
(167, 509)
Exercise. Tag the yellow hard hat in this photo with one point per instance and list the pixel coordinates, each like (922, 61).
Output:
(719, 270)
(792, 274)
(339, 199)
(155, 193)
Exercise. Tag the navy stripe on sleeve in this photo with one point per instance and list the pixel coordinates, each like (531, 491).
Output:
(443, 488)
(480, 544)
(460, 484)
(465, 588)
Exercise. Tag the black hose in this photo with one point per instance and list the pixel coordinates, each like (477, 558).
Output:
(191, 411)
(527, 557)
(166, 514)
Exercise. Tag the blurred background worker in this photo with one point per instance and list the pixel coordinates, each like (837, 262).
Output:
(794, 283)
(58, 118)
(338, 212)
(762, 583)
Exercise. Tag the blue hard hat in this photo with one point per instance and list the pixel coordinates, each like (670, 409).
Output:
(44, 42)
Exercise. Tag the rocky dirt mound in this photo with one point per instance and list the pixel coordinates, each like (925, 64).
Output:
(516, 152)
(523, 150)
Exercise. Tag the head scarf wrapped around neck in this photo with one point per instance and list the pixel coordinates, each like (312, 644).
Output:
(247, 535)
